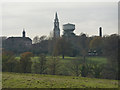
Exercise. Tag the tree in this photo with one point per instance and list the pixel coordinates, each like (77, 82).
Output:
(64, 69)
(39, 66)
(53, 65)
(36, 40)
(62, 47)
(50, 35)
(42, 63)
(83, 45)
(86, 69)
(41, 46)
(111, 52)
(50, 46)
(8, 61)
(75, 67)
(96, 44)
(25, 61)
(97, 70)
(42, 38)
(35, 67)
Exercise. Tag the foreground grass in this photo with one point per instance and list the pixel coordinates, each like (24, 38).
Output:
(17, 80)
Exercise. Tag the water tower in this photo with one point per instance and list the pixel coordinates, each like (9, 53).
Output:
(68, 30)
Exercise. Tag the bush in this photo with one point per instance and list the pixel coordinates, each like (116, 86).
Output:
(25, 62)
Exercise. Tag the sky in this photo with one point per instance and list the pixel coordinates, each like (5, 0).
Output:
(38, 17)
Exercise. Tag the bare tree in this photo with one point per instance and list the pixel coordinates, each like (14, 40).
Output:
(36, 40)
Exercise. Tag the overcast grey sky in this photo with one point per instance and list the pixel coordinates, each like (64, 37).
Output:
(38, 18)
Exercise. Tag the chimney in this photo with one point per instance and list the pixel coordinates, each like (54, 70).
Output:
(100, 31)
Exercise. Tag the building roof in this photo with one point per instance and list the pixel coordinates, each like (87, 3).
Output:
(69, 24)
(19, 38)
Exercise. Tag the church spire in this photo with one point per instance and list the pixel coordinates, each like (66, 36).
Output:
(56, 29)
(56, 17)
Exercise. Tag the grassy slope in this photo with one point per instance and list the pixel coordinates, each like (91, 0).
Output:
(17, 80)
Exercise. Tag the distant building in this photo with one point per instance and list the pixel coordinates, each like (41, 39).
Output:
(56, 30)
(68, 30)
(19, 44)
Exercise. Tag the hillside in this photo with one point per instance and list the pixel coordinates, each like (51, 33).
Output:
(18, 80)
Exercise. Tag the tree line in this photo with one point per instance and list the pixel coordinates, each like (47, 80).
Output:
(82, 45)
(52, 65)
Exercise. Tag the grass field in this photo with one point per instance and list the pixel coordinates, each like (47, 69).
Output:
(17, 80)
(98, 60)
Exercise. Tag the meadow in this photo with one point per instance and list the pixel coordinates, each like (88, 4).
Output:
(98, 60)
(29, 80)
(22, 80)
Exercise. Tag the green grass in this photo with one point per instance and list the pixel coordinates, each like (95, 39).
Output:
(17, 80)
(98, 60)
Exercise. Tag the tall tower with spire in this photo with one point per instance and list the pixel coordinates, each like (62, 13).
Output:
(56, 30)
